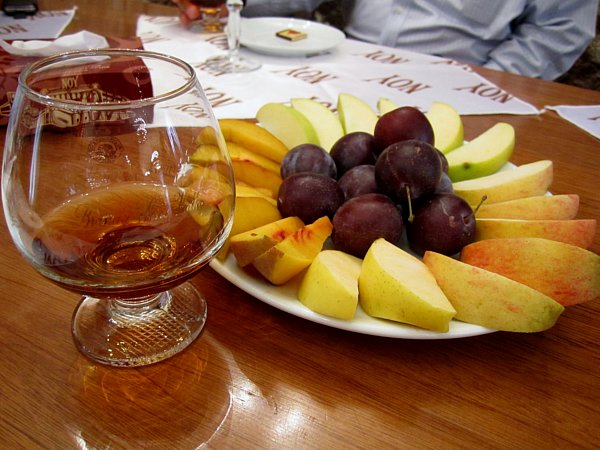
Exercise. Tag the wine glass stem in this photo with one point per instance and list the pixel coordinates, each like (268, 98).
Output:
(234, 28)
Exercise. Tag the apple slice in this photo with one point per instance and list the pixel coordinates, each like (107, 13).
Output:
(355, 114)
(484, 155)
(326, 123)
(491, 300)
(330, 285)
(527, 180)
(579, 232)
(564, 272)
(395, 285)
(557, 207)
(287, 125)
(296, 252)
(250, 244)
(385, 105)
(448, 130)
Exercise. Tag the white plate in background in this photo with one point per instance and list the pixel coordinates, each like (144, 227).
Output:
(259, 34)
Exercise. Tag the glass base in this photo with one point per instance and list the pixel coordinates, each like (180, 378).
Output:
(228, 64)
(138, 332)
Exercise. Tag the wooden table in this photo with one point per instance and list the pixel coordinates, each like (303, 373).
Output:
(261, 378)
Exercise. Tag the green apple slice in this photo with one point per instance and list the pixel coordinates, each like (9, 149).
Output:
(326, 124)
(385, 105)
(447, 126)
(355, 114)
(484, 155)
(287, 124)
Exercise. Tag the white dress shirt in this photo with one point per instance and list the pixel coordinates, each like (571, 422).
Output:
(536, 38)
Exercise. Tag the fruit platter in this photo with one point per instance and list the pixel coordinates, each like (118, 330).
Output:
(386, 222)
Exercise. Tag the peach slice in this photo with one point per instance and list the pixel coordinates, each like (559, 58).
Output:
(250, 244)
(295, 253)
(247, 134)
(251, 173)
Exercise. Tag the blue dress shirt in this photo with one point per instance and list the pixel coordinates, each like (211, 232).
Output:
(536, 38)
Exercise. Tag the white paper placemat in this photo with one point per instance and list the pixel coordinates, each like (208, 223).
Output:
(365, 70)
(585, 117)
(43, 25)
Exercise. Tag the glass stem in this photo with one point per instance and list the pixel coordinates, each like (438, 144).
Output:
(234, 28)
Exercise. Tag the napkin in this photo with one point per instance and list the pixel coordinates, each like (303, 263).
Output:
(43, 25)
(586, 117)
(84, 40)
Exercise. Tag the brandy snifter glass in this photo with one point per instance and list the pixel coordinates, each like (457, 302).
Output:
(117, 185)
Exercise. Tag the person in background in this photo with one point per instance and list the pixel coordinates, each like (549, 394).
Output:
(535, 38)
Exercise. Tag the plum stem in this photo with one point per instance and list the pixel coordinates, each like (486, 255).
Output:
(411, 216)
(483, 199)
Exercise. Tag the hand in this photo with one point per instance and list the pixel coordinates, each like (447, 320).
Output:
(190, 11)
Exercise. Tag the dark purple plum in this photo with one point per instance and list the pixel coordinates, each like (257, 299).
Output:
(353, 149)
(445, 185)
(443, 223)
(402, 124)
(361, 220)
(357, 181)
(309, 196)
(443, 160)
(413, 164)
(308, 158)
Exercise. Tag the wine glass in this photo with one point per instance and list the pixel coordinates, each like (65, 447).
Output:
(232, 62)
(116, 184)
(210, 14)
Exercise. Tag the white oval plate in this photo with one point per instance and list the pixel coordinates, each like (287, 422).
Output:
(258, 34)
(284, 298)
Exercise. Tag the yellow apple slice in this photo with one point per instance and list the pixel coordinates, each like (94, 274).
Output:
(287, 124)
(397, 286)
(579, 232)
(448, 130)
(557, 207)
(564, 272)
(324, 121)
(527, 180)
(355, 114)
(484, 155)
(330, 285)
(491, 300)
